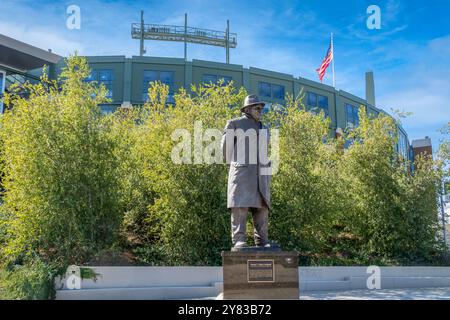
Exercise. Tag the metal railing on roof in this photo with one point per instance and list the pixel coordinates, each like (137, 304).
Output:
(180, 33)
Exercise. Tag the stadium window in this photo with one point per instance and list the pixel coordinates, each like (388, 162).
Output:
(311, 99)
(166, 77)
(277, 92)
(214, 79)
(402, 145)
(351, 113)
(149, 76)
(270, 90)
(105, 77)
(92, 76)
(317, 102)
(226, 79)
(209, 78)
(322, 103)
(264, 89)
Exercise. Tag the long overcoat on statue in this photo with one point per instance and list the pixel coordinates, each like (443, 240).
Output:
(248, 181)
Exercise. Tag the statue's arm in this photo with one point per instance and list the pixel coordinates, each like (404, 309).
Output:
(227, 148)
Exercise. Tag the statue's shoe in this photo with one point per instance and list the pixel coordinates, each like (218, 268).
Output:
(271, 244)
(240, 244)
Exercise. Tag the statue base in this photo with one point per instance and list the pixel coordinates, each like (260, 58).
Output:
(260, 273)
(257, 249)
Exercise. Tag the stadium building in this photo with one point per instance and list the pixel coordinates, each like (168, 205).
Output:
(127, 80)
(20, 62)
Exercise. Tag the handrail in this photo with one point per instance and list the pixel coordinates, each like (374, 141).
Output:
(180, 31)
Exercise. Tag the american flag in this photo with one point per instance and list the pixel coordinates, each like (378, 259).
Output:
(326, 62)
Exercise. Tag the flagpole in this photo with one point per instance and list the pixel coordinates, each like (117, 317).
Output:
(332, 61)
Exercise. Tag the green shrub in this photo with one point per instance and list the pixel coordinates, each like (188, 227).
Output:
(392, 211)
(61, 170)
(185, 217)
(303, 188)
(31, 281)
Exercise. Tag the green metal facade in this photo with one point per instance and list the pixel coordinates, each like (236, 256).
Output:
(128, 83)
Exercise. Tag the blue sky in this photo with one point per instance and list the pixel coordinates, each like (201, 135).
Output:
(409, 54)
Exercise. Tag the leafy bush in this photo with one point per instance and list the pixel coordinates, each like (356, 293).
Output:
(185, 217)
(302, 189)
(392, 211)
(61, 170)
(31, 281)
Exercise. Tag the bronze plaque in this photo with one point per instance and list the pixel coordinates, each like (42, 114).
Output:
(260, 271)
(260, 275)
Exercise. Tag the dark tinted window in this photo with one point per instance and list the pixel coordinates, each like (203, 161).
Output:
(351, 115)
(277, 91)
(264, 90)
(105, 77)
(166, 77)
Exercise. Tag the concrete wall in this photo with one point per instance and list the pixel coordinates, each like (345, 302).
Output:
(201, 282)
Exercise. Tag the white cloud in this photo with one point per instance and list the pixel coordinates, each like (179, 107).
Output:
(441, 46)
(421, 86)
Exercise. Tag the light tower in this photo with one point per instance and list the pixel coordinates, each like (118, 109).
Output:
(184, 34)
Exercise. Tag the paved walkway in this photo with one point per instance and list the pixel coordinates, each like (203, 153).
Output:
(382, 294)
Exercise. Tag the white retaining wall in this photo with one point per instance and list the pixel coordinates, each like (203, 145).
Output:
(201, 282)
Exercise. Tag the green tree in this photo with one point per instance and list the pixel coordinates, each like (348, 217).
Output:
(392, 211)
(303, 188)
(61, 170)
(186, 220)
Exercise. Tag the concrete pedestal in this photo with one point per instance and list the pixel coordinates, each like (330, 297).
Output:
(260, 275)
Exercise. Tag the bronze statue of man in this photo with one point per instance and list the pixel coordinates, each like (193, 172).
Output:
(244, 147)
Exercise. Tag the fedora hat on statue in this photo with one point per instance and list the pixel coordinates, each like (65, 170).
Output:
(252, 100)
